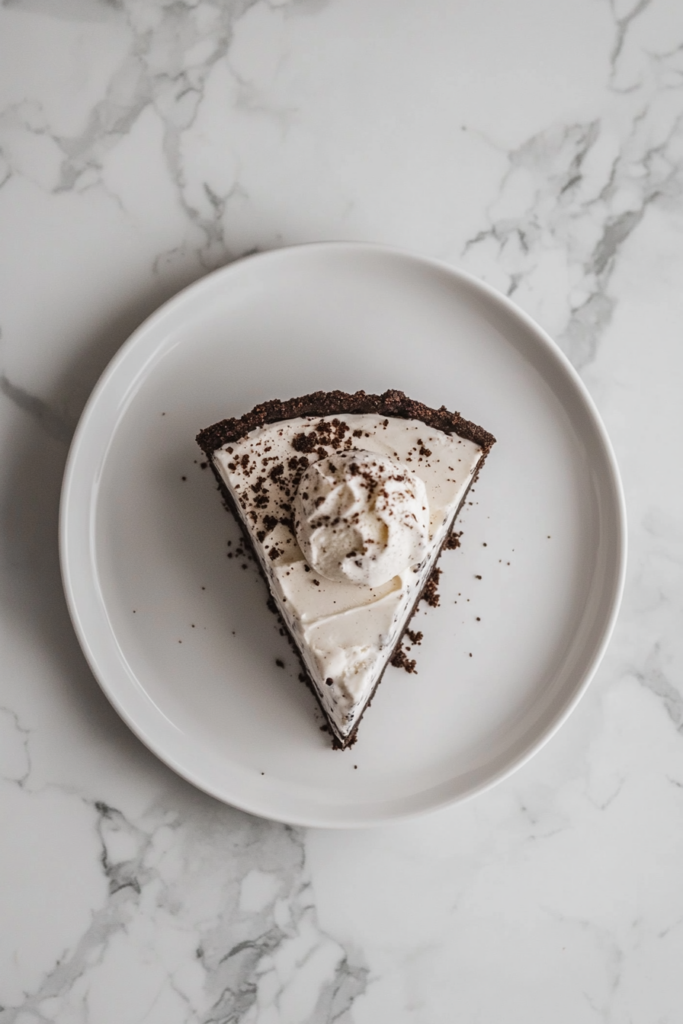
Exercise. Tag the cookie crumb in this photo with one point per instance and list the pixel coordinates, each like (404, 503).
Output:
(430, 594)
(401, 660)
(452, 541)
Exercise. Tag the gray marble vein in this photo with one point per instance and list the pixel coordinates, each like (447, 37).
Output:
(15, 757)
(653, 678)
(623, 24)
(555, 160)
(53, 422)
(261, 911)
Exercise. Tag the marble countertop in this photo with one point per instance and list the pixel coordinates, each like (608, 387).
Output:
(538, 145)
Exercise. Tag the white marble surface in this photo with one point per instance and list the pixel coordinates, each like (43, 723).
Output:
(538, 144)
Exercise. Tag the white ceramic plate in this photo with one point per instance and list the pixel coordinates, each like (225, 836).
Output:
(179, 636)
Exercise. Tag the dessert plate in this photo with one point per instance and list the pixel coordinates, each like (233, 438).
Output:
(178, 634)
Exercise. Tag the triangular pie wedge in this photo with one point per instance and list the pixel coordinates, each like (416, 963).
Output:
(345, 633)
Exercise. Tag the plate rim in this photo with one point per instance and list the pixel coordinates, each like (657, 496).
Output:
(497, 299)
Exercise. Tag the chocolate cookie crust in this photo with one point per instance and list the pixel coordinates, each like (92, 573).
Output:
(333, 403)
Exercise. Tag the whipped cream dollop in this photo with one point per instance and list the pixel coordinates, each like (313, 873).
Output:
(361, 518)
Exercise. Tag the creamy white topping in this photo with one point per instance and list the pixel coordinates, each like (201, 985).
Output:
(361, 518)
(346, 631)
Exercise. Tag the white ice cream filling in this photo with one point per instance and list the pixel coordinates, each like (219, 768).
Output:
(346, 630)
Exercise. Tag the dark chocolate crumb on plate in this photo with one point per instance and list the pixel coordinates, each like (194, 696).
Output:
(430, 594)
(452, 541)
(401, 660)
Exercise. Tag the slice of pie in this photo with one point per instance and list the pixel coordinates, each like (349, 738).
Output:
(347, 501)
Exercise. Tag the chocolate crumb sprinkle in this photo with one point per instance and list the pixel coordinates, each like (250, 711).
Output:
(430, 594)
(401, 660)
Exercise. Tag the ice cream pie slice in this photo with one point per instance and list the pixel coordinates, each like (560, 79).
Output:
(347, 502)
